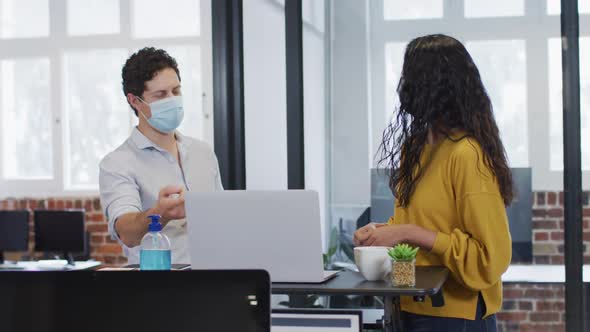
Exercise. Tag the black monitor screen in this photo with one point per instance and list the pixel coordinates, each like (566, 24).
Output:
(14, 230)
(59, 230)
(135, 301)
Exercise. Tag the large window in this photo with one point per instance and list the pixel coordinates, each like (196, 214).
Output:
(61, 102)
(504, 75)
(516, 47)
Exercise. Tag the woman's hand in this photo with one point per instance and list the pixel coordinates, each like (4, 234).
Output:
(363, 233)
(387, 236)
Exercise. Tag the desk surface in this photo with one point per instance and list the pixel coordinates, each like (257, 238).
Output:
(429, 280)
(539, 274)
(36, 266)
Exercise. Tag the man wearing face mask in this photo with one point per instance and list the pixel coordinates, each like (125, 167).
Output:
(149, 173)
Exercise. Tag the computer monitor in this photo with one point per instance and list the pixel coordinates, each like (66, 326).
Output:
(520, 216)
(144, 301)
(14, 231)
(316, 320)
(59, 231)
(382, 199)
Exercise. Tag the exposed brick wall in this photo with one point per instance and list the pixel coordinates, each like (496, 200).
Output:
(530, 307)
(102, 247)
(548, 228)
(541, 307)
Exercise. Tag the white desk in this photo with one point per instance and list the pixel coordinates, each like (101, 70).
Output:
(59, 266)
(539, 274)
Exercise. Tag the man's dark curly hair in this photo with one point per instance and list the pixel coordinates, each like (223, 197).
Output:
(440, 89)
(142, 66)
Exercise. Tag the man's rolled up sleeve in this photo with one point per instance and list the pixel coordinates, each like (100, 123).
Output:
(119, 194)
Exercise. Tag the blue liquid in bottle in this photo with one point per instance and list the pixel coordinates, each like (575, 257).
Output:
(155, 248)
(155, 260)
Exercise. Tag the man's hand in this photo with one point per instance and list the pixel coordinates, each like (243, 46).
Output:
(170, 203)
(131, 227)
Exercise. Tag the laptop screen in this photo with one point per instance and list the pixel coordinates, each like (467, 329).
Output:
(289, 215)
(135, 301)
(294, 320)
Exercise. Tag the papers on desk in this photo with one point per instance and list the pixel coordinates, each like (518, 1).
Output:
(52, 264)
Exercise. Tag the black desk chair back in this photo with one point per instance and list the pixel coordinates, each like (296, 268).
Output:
(146, 301)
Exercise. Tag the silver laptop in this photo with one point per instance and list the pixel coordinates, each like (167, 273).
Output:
(278, 231)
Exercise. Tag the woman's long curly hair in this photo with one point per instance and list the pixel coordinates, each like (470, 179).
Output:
(440, 89)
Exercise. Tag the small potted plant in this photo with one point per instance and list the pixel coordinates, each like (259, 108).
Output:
(403, 265)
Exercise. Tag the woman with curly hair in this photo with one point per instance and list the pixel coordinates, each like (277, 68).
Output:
(452, 184)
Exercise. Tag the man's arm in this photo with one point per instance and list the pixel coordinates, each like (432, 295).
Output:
(131, 227)
(119, 195)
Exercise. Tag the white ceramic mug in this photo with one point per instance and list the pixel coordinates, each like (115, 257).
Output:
(372, 262)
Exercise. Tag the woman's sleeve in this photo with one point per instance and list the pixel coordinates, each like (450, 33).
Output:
(478, 254)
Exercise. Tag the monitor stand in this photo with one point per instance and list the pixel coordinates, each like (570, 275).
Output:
(70, 258)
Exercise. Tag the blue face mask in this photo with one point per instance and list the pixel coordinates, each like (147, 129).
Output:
(167, 113)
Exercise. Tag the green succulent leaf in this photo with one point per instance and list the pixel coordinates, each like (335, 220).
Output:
(403, 252)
